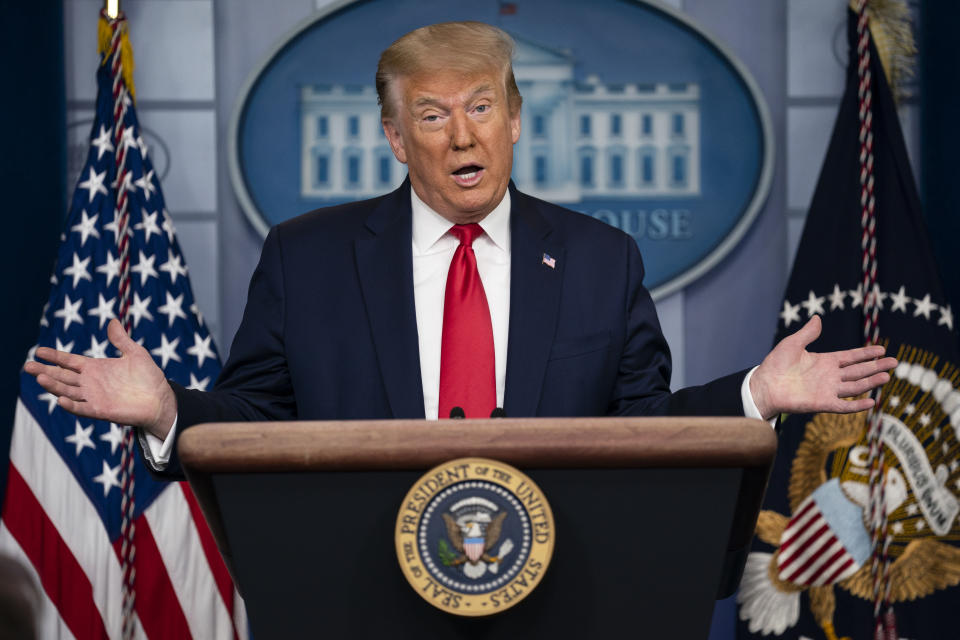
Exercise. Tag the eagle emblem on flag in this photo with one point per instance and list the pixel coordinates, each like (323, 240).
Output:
(825, 543)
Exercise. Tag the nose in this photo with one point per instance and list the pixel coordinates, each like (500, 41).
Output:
(461, 132)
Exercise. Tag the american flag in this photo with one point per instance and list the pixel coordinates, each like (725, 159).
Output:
(62, 512)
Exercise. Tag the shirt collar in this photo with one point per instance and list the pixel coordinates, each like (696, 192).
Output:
(429, 226)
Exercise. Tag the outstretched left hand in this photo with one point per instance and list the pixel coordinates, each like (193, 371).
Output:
(793, 380)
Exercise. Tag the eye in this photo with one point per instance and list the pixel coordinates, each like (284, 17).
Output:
(431, 118)
(482, 108)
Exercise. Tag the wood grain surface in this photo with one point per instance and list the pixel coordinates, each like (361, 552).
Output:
(526, 443)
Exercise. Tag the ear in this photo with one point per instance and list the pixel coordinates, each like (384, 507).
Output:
(515, 127)
(395, 138)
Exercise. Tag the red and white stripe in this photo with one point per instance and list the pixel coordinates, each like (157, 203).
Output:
(810, 553)
(50, 523)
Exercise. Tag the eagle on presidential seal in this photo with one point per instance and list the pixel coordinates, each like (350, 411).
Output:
(474, 528)
(825, 543)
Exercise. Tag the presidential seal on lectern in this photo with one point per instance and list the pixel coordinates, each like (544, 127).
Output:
(474, 536)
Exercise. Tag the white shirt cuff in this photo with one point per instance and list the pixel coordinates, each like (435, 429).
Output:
(750, 409)
(160, 450)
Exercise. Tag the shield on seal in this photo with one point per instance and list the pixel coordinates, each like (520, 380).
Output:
(473, 547)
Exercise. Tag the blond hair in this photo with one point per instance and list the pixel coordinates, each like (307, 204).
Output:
(467, 47)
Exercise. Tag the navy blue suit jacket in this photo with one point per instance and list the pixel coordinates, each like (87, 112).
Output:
(329, 330)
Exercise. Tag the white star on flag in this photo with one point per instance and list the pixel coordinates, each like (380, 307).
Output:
(140, 309)
(145, 268)
(102, 142)
(111, 269)
(790, 313)
(97, 349)
(946, 317)
(68, 347)
(173, 266)
(195, 310)
(856, 296)
(86, 227)
(104, 310)
(813, 304)
(70, 312)
(899, 300)
(108, 477)
(924, 306)
(198, 385)
(167, 350)
(146, 183)
(50, 399)
(142, 145)
(114, 227)
(149, 224)
(878, 297)
(114, 437)
(173, 309)
(78, 270)
(168, 226)
(201, 349)
(128, 139)
(94, 184)
(836, 298)
(81, 438)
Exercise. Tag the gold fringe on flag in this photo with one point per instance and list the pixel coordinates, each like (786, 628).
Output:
(893, 37)
(104, 35)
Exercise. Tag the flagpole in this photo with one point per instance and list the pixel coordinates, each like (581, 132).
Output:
(112, 8)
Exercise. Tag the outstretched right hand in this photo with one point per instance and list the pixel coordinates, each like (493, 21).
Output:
(129, 390)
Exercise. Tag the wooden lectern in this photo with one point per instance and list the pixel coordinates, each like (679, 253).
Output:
(654, 517)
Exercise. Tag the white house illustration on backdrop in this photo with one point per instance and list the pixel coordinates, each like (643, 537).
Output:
(580, 140)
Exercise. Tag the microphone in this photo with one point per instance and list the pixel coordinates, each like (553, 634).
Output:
(457, 413)
(498, 413)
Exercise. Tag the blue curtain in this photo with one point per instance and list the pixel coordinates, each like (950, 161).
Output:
(32, 184)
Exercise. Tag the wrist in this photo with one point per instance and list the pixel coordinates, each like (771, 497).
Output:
(759, 391)
(166, 412)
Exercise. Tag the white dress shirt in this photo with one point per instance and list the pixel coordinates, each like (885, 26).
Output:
(433, 249)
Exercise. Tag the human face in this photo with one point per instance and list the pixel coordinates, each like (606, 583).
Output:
(456, 134)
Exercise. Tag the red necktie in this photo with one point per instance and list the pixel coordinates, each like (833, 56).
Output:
(467, 375)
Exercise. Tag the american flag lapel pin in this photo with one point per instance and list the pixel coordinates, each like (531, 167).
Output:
(549, 261)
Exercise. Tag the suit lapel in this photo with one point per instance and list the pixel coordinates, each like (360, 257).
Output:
(534, 304)
(385, 267)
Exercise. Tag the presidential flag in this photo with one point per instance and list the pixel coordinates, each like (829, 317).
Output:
(107, 572)
(859, 536)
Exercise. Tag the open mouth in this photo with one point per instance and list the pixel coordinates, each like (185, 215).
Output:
(468, 175)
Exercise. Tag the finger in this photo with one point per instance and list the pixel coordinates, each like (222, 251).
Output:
(864, 369)
(77, 407)
(60, 374)
(808, 332)
(60, 389)
(853, 406)
(61, 358)
(856, 387)
(119, 338)
(861, 354)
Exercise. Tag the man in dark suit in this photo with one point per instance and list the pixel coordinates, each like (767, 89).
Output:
(454, 294)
